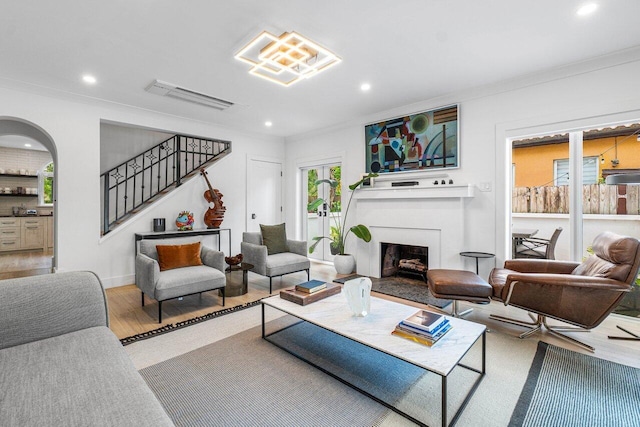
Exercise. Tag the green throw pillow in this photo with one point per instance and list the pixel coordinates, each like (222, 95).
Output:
(274, 237)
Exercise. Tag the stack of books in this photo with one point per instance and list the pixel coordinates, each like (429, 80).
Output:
(311, 286)
(423, 327)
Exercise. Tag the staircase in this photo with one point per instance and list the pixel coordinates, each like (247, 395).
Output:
(143, 179)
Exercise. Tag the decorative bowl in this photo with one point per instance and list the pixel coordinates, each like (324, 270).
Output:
(233, 260)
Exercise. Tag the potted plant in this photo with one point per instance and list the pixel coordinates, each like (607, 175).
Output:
(338, 233)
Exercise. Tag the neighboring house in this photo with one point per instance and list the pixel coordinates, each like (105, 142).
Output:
(544, 161)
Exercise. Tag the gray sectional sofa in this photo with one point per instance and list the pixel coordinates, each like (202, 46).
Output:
(60, 365)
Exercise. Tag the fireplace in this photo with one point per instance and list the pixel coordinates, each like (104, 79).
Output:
(404, 260)
(423, 215)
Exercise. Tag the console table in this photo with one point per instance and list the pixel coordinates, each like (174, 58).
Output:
(186, 233)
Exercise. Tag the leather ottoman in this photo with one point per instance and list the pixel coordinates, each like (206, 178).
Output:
(459, 285)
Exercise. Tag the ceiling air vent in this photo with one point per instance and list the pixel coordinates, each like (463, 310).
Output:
(168, 89)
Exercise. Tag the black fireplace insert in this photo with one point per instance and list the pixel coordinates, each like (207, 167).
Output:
(403, 260)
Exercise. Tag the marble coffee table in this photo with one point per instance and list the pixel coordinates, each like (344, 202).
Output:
(374, 330)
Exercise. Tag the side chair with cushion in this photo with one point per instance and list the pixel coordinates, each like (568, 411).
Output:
(272, 254)
(533, 247)
(173, 268)
(581, 294)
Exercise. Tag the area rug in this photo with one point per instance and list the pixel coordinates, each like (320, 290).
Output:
(508, 361)
(402, 287)
(565, 388)
(344, 279)
(195, 320)
(241, 379)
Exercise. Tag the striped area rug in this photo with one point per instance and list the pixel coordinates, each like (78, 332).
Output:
(245, 381)
(570, 389)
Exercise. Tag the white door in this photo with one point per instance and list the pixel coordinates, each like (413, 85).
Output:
(321, 221)
(264, 193)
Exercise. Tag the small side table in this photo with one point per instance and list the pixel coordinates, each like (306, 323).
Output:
(234, 288)
(477, 255)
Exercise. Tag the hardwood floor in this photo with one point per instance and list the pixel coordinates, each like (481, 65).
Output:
(129, 318)
(24, 264)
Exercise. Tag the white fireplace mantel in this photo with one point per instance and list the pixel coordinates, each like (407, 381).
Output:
(443, 191)
(421, 215)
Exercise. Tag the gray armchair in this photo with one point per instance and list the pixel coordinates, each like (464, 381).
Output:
(254, 252)
(177, 282)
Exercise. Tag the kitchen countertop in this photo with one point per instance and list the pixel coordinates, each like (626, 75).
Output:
(24, 216)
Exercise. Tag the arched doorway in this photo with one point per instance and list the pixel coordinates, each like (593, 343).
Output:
(13, 126)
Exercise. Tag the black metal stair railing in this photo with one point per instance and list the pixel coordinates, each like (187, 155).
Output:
(147, 176)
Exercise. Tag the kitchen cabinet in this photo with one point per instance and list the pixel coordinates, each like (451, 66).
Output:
(25, 233)
(9, 234)
(48, 232)
(32, 233)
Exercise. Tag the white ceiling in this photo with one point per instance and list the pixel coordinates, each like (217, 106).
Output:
(17, 141)
(408, 50)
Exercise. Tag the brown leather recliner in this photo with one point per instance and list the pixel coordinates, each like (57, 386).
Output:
(582, 294)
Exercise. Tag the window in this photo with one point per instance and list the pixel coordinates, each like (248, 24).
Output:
(589, 171)
(46, 185)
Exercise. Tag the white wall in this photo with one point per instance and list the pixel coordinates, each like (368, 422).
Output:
(586, 94)
(74, 125)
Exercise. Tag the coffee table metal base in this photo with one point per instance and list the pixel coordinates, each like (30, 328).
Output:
(463, 405)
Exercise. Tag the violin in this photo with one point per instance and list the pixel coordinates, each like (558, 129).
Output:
(214, 215)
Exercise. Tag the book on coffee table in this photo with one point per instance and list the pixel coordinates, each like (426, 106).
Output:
(311, 286)
(304, 298)
(422, 338)
(424, 320)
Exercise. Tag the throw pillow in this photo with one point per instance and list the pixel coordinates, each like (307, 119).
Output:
(176, 256)
(274, 237)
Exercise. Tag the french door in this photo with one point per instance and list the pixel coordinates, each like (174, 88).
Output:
(326, 219)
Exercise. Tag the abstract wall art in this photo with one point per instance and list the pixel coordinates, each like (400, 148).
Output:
(417, 142)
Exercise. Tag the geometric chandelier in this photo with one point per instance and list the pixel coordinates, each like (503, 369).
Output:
(286, 59)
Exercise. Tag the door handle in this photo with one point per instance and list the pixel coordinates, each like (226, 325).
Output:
(253, 216)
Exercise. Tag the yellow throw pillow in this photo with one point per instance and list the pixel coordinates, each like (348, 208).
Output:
(176, 256)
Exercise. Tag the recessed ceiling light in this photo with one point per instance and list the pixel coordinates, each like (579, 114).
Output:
(27, 145)
(89, 79)
(365, 87)
(587, 9)
(268, 124)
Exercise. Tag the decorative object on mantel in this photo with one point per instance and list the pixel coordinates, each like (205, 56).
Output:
(358, 294)
(184, 221)
(423, 141)
(214, 216)
(344, 263)
(404, 183)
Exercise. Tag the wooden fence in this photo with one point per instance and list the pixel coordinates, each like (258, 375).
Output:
(596, 199)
